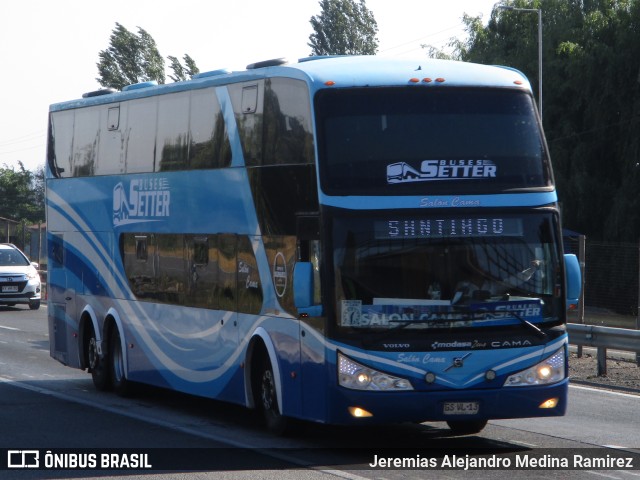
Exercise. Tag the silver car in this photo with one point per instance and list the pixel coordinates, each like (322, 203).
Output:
(19, 278)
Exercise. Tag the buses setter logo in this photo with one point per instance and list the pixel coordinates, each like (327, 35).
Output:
(141, 200)
(438, 170)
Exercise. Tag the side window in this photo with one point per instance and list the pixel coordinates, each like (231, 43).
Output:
(138, 256)
(249, 286)
(60, 143)
(203, 271)
(142, 254)
(209, 145)
(140, 132)
(172, 136)
(226, 291)
(247, 100)
(287, 135)
(113, 118)
(171, 275)
(86, 140)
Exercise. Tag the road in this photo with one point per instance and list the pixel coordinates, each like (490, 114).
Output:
(47, 406)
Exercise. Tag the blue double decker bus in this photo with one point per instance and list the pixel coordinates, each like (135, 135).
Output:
(345, 240)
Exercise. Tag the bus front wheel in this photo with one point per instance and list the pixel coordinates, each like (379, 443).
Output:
(467, 427)
(116, 364)
(267, 398)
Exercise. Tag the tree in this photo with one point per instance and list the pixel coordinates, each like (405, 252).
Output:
(132, 58)
(591, 102)
(22, 194)
(180, 72)
(344, 27)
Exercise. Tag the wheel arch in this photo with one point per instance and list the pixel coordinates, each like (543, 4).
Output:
(261, 345)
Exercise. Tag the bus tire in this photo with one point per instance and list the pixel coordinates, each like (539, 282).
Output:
(267, 398)
(96, 365)
(466, 427)
(119, 380)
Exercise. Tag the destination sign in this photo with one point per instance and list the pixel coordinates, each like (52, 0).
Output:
(448, 227)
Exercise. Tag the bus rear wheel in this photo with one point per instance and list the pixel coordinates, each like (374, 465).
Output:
(267, 398)
(467, 427)
(96, 364)
(116, 365)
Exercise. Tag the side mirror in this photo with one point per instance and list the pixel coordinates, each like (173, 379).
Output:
(574, 279)
(303, 289)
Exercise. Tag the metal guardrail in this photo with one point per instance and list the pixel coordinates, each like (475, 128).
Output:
(603, 338)
(607, 337)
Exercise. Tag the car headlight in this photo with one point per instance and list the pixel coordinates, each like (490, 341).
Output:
(33, 276)
(546, 372)
(355, 376)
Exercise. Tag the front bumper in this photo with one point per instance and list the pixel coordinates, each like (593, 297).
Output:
(420, 406)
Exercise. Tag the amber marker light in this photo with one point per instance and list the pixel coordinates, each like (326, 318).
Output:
(440, 80)
(550, 403)
(329, 83)
(518, 82)
(427, 80)
(414, 80)
(358, 412)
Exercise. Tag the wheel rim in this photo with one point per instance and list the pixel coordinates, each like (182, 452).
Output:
(93, 353)
(118, 364)
(268, 392)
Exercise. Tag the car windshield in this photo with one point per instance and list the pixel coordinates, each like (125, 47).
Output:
(12, 258)
(453, 271)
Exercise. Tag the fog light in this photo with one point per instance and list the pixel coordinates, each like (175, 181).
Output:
(551, 403)
(359, 412)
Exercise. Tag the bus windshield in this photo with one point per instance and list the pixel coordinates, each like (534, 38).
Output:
(448, 270)
(392, 141)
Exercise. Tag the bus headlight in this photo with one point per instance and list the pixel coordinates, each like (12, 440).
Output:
(546, 372)
(355, 376)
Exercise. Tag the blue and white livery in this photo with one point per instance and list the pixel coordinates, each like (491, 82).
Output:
(346, 240)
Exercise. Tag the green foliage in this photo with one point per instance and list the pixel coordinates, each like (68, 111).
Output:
(591, 101)
(22, 194)
(132, 58)
(182, 72)
(344, 27)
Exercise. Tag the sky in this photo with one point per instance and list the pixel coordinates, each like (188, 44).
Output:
(49, 48)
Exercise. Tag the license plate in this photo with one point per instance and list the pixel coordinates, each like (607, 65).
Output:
(461, 408)
(10, 289)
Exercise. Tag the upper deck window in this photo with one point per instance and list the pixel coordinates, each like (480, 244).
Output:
(398, 141)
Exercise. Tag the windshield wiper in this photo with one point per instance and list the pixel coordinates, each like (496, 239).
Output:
(523, 321)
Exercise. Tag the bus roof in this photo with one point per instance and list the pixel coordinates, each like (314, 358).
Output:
(329, 72)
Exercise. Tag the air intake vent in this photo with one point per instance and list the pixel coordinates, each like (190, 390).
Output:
(213, 73)
(137, 86)
(274, 62)
(98, 93)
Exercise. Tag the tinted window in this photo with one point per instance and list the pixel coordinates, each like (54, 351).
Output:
(172, 136)
(247, 106)
(287, 136)
(414, 141)
(249, 285)
(209, 141)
